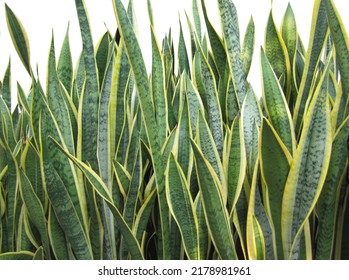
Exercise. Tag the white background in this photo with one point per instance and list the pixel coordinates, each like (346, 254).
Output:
(40, 17)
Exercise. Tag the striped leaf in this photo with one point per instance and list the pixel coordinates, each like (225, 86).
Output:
(276, 105)
(341, 42)
(235, 163)
(19, 37)
(317, 41)
(328, 204)
(139, 70)
(102, 190)
(35, 210)
(88, 109)
(229, 21)
(308, 170)
(276, 52)
(248, 47)
(65, 64)
(182, 208)
(274, 153)
(216, 214)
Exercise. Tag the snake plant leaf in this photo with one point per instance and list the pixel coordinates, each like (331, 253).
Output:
(22, 255)
(207, 145)
(183, 146)
(12, 198)
(182, 208)
(274, 153)
(7, 132)
(317, 41)
(236, 163)
(204, 238)
(211, 96)
(326, 206)
(102, 190)
(289, 33)
(104, 155)
(216, 43)
(158, 89)
(197, 18)
(138, 67)
(248, 47)
(118, 97)
(251, 115)
(103, 50)
(308, 169)
(183, 60)
(195, 103)
(57, 237)
(256, 247)
(88, 123)
(341, 42)
(229, 21)
(103, 150)
(216, 214)
(142, 218)
(34, 209)
(65, 64)
(276, 105)
(276, 52)
(64, 207)
(134, 55)
(6, 86)
(39, 254)
(19, 38)
(57, 102)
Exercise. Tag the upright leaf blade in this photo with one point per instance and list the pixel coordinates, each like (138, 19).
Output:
(308, 170)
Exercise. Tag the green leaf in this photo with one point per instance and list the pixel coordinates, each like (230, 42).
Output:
(6, 86)
(317, 41)
(158, 89)
(216, 43)
(35, 210)
(183, 60)
(65, 64)
(64, 208)
(276, 52)
(182, 208)
(251, 116)
(274, 153)
(102, 190)
(229, 21)
(215, 212)
(102, 54)
(19, 38)
(289, 33)
(197, 20)
(248, 47)
(57, 103)
(308, 169)
(140, 73)
(276, 105)
(58, 241)
(235, 163)
(341, 42)
(327, 205)
(88, 109)
(12, 256)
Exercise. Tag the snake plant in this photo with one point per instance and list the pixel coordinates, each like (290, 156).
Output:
(108, 161)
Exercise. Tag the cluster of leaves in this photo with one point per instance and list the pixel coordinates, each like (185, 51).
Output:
(109, 162)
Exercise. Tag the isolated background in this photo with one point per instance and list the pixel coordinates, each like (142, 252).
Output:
(40, 17)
